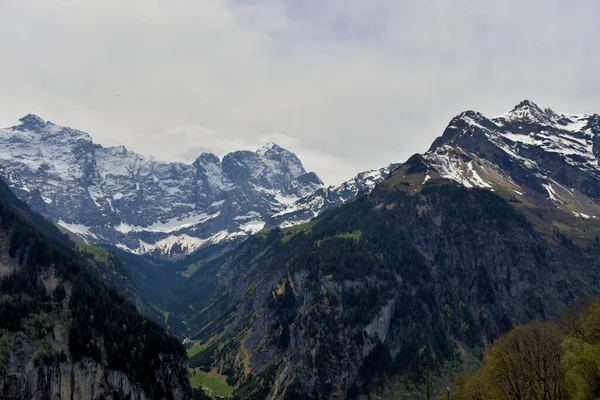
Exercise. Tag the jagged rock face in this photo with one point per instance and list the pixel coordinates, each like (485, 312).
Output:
(528, 153)
(436, 273)
(85, 380)
(451, 268)
(111, 195)
(326, 198)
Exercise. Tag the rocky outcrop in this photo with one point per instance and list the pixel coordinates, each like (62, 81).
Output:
(379, 327)
(85, 380)
(326, 198)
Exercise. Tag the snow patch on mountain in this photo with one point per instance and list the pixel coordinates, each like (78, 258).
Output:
(169, 226)
(253, 226)
(78, 229)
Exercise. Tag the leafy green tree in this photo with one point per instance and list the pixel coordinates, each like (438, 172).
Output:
(47, 352)
(582, 369)
(582, 351)
(470, 388)
(541, 361)
(526, 363)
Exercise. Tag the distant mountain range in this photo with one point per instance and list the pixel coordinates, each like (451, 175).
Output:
(358, 289)
(114, 196)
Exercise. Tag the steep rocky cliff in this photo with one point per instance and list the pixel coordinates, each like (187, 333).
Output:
(84, 380)
(496, 225)
(381, 288)
(64, 333)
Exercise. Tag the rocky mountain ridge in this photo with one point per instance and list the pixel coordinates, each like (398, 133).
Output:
(496, 225)
(84, 380)
(326, 198)
(528, 153)
(114, 196)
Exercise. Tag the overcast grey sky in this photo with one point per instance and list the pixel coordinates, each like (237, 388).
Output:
(348, 85)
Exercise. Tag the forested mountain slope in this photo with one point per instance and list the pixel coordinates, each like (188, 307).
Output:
(64, 332)
(455, 248)
(414, 279)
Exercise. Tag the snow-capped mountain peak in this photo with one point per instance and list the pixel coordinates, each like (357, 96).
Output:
(282, 158)
(270, 146)
(525, 152)
(530, 113)
(115, 196)
(112, 195)
(207, 158)
(31, 121)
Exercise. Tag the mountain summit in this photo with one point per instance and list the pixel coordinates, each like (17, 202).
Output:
(528, 111)
(536, 156)
(111, 195)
